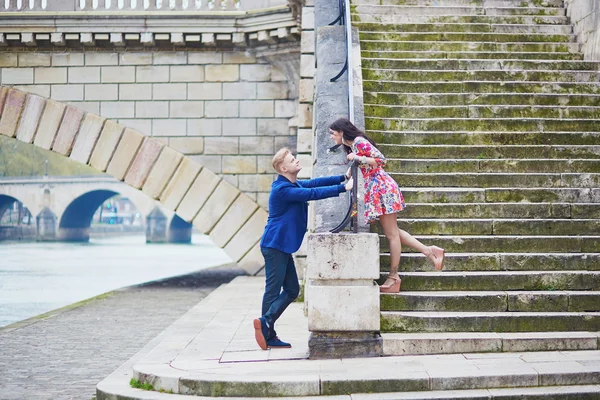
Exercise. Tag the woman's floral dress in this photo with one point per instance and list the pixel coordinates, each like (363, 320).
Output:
(382, 194)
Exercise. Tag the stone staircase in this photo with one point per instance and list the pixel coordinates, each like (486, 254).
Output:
(490, 121)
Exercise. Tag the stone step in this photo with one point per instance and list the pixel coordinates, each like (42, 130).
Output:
(485, 138)
(500, 195)
(537, 47)
(481, 111)
(504, 226)
(516, 210)
(405, 344)
(508, 244)
(495, 55)
(471, 3)
(483, 124)
(465, 28)
(478, 65)
(492, 301)
(488, 151)
(458, 19)
(431, 11)
(466, 37)
(480, 99)
(414, 262)
(424, 321)
(509, 165)
(412, 75)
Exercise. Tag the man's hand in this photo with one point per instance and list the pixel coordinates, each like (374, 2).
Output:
(349, 184)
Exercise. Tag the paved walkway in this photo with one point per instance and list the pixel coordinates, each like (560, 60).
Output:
(66, 353)
(211, 352)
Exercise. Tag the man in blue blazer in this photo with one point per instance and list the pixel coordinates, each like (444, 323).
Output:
(286, 226)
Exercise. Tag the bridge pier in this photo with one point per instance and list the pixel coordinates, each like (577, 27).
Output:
(46, 223)
(74, 234)
(156, 227)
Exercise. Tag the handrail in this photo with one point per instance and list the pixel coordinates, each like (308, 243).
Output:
(344, 19)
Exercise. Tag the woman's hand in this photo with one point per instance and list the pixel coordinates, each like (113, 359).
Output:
(349, 184)
(351, 156)
(349, 173)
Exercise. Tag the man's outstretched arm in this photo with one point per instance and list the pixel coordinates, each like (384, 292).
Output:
(323, 181)
(294, 194)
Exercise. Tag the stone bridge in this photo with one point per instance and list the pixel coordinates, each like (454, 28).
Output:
(63, 207)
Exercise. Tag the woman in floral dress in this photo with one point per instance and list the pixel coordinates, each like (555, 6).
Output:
(383, 199)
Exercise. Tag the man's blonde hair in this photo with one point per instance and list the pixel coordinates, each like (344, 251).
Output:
(279, 157)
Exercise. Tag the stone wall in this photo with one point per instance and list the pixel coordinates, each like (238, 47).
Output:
(228, 110)
(585, 17)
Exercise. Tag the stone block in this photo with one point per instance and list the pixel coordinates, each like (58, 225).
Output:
(248, 236)
(169, 91)
(124, 154)
(307, 42)
(204, 91)
(186, 109)
(34, 106)
(256, 72)
(255, 183)
(187, 73)
(170, 58)
(264, 164)
(39, 90)
(101, 59)
(204, 127)
(222, 73)
(257, 108)
(239, 90)
(233, 179)
(198, 193)
(11, 113)
(272, 127)
(162, 172)
(141, 125)
(135, 91)
(307, 90)
(92, 107)
(253, 262)
(119, 74)
(304, 140)
(238, 58)
(214, 162)
(143, 162)
(272, 90)
(107, 143)
(278, 75)
(215, 206)
(152, 74)
(308, 18)
(34, 60)
(129, 58)
(50, 75)
(84, 74)
(49, 123)
(205, 57)
(67, 131)
(239, 127)
(233, 219)
(285, 108)
(220, 109)
(286, 141)
(307, 66)
(117, 109)
(305, 116)
(8, 60)
(221, 145)
(239, 164)
(342, 308)
(67, 92)
(101, 92)
(178, 186)
(169, 127)
(256, 145)
(69, 59)
(86, 138)
(187, 145)
(152, 109)
(17, 76)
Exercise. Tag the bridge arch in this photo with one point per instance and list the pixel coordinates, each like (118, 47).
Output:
(6, 201)
(24, 228)
(195, 193)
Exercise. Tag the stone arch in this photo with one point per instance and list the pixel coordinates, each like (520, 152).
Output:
(233, 220)
(6, 201)
(75, 221)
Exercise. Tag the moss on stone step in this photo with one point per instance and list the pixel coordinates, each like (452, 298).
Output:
(467, 99)
(465, 37)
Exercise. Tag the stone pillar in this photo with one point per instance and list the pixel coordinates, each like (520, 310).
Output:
(156, 227)
(342, 297)
(46, 225)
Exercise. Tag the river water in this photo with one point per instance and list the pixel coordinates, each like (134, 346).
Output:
(39, 277)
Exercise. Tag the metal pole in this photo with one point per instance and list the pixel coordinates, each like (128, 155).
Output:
(350, 64)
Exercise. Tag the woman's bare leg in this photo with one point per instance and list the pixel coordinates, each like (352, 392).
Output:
(434, 253)
(389, 222)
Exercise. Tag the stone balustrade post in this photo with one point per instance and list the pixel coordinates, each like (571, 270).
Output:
(342, 297)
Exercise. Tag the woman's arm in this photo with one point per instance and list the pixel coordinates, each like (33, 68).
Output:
(368, 154)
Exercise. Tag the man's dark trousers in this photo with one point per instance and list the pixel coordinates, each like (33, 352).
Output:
(280, 271)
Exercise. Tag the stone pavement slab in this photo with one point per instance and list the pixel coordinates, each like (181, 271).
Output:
(211, 352)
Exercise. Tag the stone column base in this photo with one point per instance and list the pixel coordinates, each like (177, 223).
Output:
(324, 345)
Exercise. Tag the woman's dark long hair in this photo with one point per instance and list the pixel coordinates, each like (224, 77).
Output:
(349, 132)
